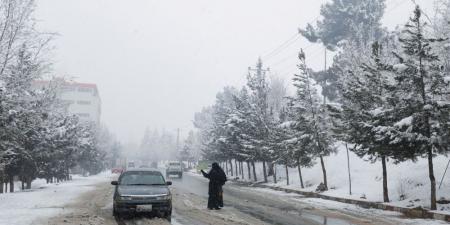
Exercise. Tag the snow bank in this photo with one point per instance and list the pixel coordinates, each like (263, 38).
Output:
(408, 182)
(44, 200)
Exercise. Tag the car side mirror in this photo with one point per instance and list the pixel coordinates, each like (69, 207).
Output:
(169, 182)
(114, 182)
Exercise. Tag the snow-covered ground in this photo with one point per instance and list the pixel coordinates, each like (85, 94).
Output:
(408, 179)
(44, 200)
(351, 209)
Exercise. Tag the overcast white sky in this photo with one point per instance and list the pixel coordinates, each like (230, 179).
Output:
(157, 62)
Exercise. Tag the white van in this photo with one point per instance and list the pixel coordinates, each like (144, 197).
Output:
(174, 168)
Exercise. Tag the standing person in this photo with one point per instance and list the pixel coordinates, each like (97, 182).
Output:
(217, 179)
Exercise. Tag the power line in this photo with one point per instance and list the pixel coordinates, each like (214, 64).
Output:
(290, 56)
(281, 47)
(287, 43)
(396, 6)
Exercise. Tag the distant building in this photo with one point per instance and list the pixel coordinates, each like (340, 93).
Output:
(82, 99)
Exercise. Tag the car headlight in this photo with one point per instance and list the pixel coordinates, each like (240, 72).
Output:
(125, 198)
(164, 197)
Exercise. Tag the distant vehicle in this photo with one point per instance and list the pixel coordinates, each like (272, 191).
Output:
(131, 165)
(143, 166)
(154, 165)
(117, 170)
(142, 191)
(174, 168)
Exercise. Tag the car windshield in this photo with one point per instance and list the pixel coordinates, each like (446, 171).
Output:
(142, 178)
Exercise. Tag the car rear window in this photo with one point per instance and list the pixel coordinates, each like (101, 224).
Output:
(142, 178)
(174, 164)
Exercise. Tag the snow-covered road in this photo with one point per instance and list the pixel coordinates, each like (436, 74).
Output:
(243, 206)
(45, 200)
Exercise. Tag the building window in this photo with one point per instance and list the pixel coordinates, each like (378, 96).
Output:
(85, 115)
(83, 89)
(83, 102)
(67, 102)
(67, 88)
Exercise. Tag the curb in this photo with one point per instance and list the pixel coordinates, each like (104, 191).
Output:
(409, 212)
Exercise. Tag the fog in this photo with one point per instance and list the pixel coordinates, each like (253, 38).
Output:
(156, 63)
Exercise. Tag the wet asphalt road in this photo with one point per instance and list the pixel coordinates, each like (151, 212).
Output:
(243, 206)
(267, 207)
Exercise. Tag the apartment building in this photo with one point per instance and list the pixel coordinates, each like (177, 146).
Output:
(82, 99)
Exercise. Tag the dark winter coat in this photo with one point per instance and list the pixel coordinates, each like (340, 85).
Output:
(217, 179)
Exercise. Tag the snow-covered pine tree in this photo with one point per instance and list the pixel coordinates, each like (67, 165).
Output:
(285, 144)
(243, 127)
(204, 123)
(277, 102)
(422, 106)
(344, 20)
(311, 120)
(293, 124)
(259, 92)
(188, 148)
(366, 110)
(226, 143)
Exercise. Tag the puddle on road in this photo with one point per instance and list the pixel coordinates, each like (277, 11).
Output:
(326, 220)
(299, 217)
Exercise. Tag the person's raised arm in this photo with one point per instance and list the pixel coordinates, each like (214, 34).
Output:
(205, 174)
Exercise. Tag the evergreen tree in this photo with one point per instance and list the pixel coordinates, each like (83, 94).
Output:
(311, 121)
(259, 91)
(344, 23)
(366, 111)
(422, 104)
(346, 20)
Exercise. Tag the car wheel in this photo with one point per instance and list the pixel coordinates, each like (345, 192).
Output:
(169, 217)
(115, 213)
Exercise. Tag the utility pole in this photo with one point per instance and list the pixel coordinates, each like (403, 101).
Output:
(325, 71)
(260, 72)
(178, 143)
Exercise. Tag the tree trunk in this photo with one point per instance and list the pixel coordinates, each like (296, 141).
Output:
(23, 183)
(236, 168)
(6, 185)
(432, 179)
(385, 187)
(231, 167)
(264, 171)
(274, 173)
(1, 186)
(300, 173)
(11, 184)
(226, 166)
(254, 171)
(249, 173)
(270, 165)
(348, 169)
(287, 175)
(324, 173)
(242, 170)
(29, 180)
